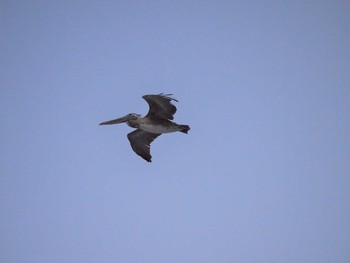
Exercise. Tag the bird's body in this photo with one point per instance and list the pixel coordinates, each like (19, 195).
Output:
(155, 126)
(156, 122)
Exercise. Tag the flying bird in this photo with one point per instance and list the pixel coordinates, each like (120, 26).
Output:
(157, 121)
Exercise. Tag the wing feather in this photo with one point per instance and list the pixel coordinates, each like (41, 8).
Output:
(140, 142)
(160, 106)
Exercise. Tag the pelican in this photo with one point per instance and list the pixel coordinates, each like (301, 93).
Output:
(148, 128)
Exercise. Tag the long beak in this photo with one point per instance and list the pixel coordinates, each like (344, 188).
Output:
(116, 121)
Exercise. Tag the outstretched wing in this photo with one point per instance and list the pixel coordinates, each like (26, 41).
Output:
(140, 142)
(160, 106)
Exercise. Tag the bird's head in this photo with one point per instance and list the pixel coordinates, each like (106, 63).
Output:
(129, 117)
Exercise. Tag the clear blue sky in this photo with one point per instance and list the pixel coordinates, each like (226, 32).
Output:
(263, 175)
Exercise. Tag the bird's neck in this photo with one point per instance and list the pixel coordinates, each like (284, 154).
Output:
(133, 124)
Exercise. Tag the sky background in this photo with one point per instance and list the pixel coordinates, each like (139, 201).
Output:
(262, 176)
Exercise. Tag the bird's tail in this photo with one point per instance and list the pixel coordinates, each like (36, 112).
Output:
(184, 128)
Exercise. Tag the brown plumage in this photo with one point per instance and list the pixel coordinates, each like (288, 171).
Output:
(157, 121)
